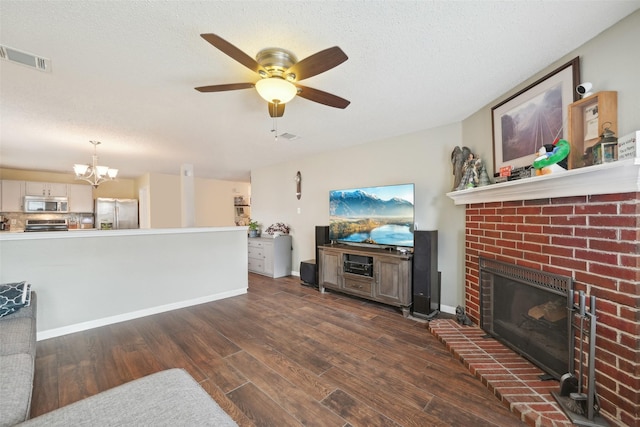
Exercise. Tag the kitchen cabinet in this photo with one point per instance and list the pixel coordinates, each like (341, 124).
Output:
(52, 189)
(80, 198)
(270, 256)
(12, 196)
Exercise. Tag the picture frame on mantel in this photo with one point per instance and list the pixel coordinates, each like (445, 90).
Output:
(534, 116)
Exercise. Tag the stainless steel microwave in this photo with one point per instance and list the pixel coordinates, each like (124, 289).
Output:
(46, 204)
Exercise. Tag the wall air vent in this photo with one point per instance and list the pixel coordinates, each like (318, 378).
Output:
(289, 136)
(25, 58)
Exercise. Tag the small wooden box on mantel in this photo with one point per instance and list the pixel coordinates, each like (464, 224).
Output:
(586, 119)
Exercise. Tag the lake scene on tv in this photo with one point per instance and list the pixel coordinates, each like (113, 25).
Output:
(372, 215)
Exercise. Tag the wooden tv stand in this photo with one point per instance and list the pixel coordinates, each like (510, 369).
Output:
(375, 274)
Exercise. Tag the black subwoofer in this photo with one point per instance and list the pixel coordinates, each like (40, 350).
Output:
(308, 272)
(426, 279)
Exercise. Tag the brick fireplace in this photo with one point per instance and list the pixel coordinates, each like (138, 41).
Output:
(593, 238)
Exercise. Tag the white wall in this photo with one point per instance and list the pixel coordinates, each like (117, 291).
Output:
(610, 61)
(422, 158)
(213, 201)
(164, 201)
(86, 279)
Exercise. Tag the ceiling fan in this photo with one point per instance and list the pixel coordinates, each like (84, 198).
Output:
(280, 72)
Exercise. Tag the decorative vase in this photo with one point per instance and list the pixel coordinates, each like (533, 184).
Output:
(253, 233)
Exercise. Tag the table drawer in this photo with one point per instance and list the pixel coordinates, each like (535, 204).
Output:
(256, 252)
(255, 243)
(256, 264)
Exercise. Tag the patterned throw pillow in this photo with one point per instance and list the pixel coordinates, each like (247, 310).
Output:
(14, 296)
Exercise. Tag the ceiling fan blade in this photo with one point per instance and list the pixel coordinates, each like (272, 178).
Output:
(318, 63)
(321, 97)
(222, 88)
(232, 51)
(276, 110)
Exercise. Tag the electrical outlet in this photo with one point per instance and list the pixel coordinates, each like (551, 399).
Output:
(299, 210)
(13, 221)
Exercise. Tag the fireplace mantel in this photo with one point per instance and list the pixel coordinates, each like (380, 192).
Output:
(609, 178)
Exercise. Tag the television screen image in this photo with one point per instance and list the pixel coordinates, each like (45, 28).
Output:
(372, 215)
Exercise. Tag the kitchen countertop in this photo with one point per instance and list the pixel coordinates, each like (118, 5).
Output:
(41, 235)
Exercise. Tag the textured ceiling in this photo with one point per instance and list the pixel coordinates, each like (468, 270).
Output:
(123, 73)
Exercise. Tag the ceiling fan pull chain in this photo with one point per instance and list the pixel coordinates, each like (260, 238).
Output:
(275, 120)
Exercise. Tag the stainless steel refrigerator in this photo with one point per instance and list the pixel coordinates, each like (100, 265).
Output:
(113, 214)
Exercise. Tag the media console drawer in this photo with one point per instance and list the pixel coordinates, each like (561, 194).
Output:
(358, 285)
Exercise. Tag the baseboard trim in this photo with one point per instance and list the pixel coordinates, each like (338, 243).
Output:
(447, 309)
(79, 327)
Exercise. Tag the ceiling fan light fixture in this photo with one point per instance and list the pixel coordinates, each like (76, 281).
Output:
(280, 72)
(276, 90)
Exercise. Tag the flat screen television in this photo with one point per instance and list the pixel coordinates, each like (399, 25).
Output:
(381, 216)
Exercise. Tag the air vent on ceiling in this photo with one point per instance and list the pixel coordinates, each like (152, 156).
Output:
(25, 58)
(289, 136)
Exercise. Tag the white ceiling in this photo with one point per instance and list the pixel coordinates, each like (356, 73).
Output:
(123, 73)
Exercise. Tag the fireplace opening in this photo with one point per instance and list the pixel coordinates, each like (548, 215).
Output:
(529, 311)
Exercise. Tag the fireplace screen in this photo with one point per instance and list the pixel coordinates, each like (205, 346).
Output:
(529, 311)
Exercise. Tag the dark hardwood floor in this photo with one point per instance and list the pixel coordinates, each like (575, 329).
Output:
(281, 355)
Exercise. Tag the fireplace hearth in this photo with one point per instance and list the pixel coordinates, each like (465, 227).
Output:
(529, 311)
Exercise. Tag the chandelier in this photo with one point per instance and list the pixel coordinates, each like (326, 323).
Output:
(94, 174)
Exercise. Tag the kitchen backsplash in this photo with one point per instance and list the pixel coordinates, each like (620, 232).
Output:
(75, 220)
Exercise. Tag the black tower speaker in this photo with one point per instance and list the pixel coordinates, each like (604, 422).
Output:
(426, 280)
(322, 238)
